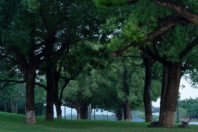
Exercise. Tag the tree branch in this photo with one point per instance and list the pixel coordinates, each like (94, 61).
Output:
(41, 85)
(188, 48)
(182, 11)
(163, 28)
(157, 76)
(64, 86)
(4, 86)
(155, 56)
(13, 81)
(9, 82)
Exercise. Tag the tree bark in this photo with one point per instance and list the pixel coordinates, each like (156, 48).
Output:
(163, 92)
(82, 111)
(147, 89)
(30, 76)
(57, 100)
(78, 113)
(170, 95)
(50, 91)
(119, 114)
(126, 111)
(58, 109)
(126, 105)
(5, 107)
(180, 10)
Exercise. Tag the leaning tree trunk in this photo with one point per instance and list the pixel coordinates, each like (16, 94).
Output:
(30, 76)
(50, 92)
(147, 89)
(171, 95)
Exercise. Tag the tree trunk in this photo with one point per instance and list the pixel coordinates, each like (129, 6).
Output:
(30, 76)
(84, 111)
(126, 111)
(171, 95)
(78, 112)
(5, 107)
(126, 105)
(12, 105)
(94, 114)
(119, 114)
(50, 92)
(16, 109)
(147, 89)
(57, 100)
(58, 109)
(163, 92)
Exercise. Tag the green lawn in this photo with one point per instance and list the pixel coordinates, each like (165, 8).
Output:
(15, 123)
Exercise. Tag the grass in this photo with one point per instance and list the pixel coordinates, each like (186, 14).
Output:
(16, 123)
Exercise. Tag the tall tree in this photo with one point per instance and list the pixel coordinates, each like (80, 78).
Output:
(23, 46)
(167, 20)
(148, 62)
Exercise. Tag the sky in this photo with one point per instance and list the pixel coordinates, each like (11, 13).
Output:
(185, 92)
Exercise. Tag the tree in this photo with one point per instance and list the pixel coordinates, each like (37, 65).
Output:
(23, 46)
(190, 105)
(78, 96)
(147, 88)
(89, 30)
(12, 98)
(167, 20)
(118, 87)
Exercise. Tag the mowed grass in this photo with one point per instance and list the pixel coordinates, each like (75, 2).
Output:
(16, 123)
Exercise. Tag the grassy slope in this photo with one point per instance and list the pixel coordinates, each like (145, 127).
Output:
(15, 123)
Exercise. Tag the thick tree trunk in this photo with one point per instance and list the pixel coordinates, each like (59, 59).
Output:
(163, 92)
(84, 111)
(147, 89)
(57, 100)
(119, 114)
(50, 92)
(30, 76)
(126, 111)
(171, 95)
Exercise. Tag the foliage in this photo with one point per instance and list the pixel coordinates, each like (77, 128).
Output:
(78, 91)
(13, 99)
(190, 105)
(103, 3)
(31, 5)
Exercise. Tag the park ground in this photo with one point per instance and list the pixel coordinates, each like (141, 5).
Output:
(16, 123)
